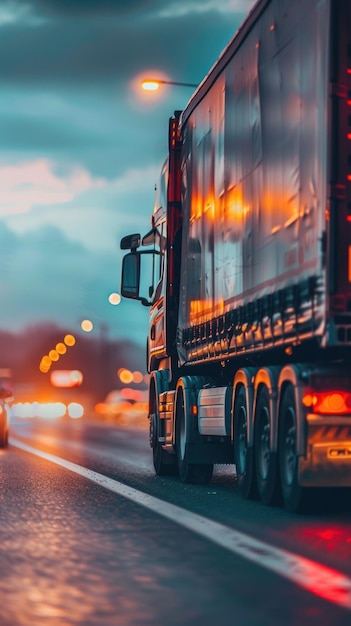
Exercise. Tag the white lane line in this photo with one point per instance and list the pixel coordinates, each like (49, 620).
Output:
(318, 579)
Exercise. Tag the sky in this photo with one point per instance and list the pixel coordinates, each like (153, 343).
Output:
(81, 146)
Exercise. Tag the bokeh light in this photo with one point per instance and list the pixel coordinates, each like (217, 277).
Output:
(87, 326)
(125, 376)
(54, 356)
(61, 348)
(45, 364)
(114, 298)
(66, 378)
(75, 410)
(43, 367)
(69, 340)
(137, 377)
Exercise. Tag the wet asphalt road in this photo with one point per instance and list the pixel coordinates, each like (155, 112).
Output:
(73, 552)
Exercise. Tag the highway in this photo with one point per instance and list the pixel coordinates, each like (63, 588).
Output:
(90, 536)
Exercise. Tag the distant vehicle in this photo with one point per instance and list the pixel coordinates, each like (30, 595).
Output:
(47, 410)
(249, 346)
(4, 423)
(6, 399)
(121, 403)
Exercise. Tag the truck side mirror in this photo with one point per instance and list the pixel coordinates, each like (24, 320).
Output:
(130, 283)
(130, 242)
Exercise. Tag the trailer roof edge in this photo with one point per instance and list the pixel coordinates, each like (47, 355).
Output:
(224, 58)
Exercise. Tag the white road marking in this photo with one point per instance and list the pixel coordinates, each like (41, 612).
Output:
(318, 579)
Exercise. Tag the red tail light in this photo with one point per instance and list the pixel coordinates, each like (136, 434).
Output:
(328, 402)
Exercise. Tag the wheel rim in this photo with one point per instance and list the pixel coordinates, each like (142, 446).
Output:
(242, 444)
(289, 455)
(264, 443)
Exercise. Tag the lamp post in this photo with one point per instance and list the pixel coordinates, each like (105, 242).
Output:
(100, 332)
(102, 355)
(153, 84)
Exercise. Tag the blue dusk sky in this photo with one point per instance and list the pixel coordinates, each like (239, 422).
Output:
(81, 146)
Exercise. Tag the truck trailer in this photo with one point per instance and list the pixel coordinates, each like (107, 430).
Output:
(249, 343)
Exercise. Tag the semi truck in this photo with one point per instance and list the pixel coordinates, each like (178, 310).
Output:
(249, 253)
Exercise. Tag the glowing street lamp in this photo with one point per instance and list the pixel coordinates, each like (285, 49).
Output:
(153, 84)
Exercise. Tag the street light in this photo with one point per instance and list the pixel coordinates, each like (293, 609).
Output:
(102, 356)
(153, 84)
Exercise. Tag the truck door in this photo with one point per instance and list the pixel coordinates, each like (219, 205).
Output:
(157, 340)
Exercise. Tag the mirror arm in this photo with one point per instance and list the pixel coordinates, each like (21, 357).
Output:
(145, 302)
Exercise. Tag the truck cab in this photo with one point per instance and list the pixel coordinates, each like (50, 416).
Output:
(152, 275)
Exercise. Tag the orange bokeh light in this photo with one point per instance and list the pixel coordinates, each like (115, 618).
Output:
(54, 355)
(137, 377)
(125, 376)
(69, 340)
(61, 348)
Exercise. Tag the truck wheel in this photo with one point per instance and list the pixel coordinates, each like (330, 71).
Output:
(244, 457)
(189, 472)
(265, 458)
(165, 464)
(294, 495)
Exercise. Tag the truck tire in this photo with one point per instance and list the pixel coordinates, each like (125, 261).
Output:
(265, 458)
(165, 464)
(243, 454)
(294, 496)
(196, 473)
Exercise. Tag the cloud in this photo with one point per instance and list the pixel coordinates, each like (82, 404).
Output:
(12, 12)
(17, 10)
(45, 277)
(28, 184)
(194, 7)
(91, 8)
(97, 215)
(80, 153)
(117, 46)
(37, 12)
